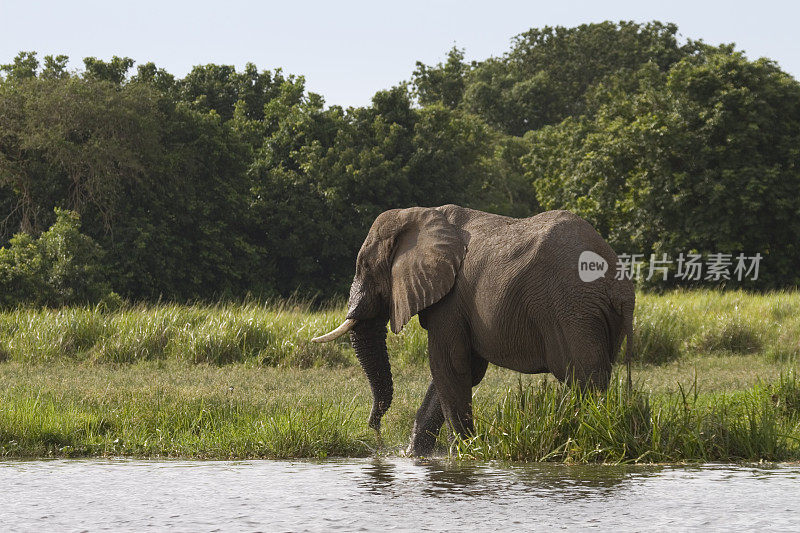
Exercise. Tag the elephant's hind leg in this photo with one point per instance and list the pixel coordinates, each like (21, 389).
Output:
(589, 363)
(579, 355)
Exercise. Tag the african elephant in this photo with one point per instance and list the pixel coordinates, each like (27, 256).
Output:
(488, 289)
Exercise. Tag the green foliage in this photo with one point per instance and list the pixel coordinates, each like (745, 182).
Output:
(226, 183)
(224, 90)
(558, 423)
(680, 324)
(676, 326)
(63, 392)
(23, 67)
(75, 143)
(163, 422)
(502, 186)
(114, 71)
(545, 76)
(443, 84)
(55, 67)
(700, 158)
(659, 331)
(61, 267)
(351, 166)
(230, 381)
(276, 335)
(786, 394)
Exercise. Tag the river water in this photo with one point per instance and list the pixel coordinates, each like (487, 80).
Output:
(391, 495)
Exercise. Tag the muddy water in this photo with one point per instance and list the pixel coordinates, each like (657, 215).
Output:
(390, 494)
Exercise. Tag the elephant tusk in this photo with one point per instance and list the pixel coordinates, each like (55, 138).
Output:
(346, 326)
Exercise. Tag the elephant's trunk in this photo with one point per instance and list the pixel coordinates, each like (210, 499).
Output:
(369, 342)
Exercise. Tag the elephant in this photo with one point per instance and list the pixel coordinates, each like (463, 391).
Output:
(488, 289)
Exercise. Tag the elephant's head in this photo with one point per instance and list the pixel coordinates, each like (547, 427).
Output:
(408, 262)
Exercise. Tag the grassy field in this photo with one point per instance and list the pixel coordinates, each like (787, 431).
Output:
(715, 381)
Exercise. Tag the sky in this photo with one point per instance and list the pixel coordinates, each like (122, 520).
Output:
(348, 50)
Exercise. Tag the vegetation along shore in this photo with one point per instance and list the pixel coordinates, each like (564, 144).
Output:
(122, 182)
(715, 380)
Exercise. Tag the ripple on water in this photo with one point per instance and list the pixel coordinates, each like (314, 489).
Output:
(390, 494)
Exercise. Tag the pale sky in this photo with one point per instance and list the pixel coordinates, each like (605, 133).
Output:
(347, 50)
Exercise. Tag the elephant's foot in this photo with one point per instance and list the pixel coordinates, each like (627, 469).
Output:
(379, 440)
(427, 424)
(422, 442)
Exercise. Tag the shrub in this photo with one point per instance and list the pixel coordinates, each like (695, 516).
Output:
(786, 395)
(659, 331)
(554, 422)
(729, 333)
(61, 267)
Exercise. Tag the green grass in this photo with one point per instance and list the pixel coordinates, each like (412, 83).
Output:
(667, 327)
(684, 323)
(715, 380)
(176, 409)
(551, 422)
(272, 335)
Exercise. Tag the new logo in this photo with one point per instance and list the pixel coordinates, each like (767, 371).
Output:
(591, 266)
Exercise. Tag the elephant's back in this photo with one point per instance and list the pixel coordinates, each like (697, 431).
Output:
(523, 275)
(553, 241)
(574, 262)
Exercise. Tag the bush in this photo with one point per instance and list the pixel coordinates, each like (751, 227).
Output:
(554, 422)
(61, 267)
(786, 395)
(729, 333)
(659, 330)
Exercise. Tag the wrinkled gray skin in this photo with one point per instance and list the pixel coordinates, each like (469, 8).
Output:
(489, 289)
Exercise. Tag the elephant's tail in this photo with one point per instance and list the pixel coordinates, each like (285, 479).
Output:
(630, 352)
(623, 298)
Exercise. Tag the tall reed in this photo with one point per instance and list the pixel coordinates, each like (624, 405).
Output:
(553, 422)
(669, 326)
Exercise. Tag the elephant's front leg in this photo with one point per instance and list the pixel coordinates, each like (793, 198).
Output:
(427, 424)
(430, 417)
(451, 369)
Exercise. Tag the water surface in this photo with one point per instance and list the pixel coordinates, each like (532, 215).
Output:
(390, 494)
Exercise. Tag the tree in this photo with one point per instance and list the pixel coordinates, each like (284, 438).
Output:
(221, 88)
(62, 267)
(544, 77)
(702, 157)
(324, 175)
(70, 142)
(25, 66)
(114, 71)
(229, 182)
(443, 84)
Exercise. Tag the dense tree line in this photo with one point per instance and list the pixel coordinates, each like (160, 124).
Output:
(228, 182)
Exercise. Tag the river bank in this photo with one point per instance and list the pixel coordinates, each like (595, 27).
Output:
(716, 381)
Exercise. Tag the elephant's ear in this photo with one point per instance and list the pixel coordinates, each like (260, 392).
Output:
(426, 257)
